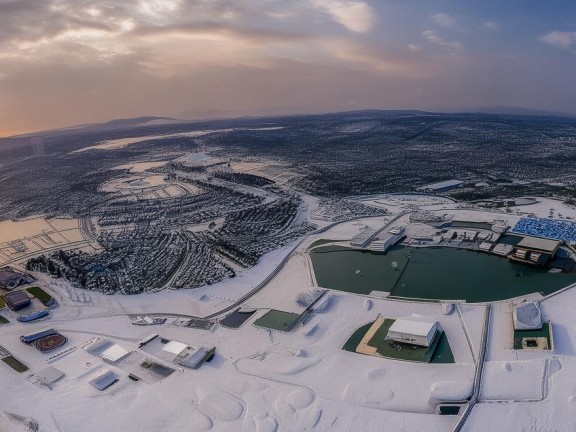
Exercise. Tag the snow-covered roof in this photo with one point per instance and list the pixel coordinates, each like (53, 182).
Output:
(50, 375)
(174, 347)
(104, 380)
(413, 325)
(191, 356)
(97, 345)
(527, 316)
(113, 354)
(539, 243)
(442, 184)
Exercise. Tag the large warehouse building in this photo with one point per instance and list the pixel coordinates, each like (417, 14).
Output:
(535, 250)
(413, 330)
(390, 238)
(441, 186)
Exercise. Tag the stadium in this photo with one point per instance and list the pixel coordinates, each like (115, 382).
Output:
(551, 229)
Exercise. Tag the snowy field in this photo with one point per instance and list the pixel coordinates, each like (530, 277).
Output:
(265, 380)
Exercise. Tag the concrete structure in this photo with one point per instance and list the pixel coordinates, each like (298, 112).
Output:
(390, 238)
(174, 347)
(535, 250)
(31, 338)
(17, 300)
(192, 357)
(502, 249)
(362, 239)
(441, 186)
(539, 244)
(104, 380)
(10, 278)
(413, 330)
(113, 354)
(50, 375)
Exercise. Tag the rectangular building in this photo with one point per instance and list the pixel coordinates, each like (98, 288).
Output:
(16, 300)
(535, 250)
(392, 237)
(363, 238)
(539, 244)
(412, 330)
(441, 186)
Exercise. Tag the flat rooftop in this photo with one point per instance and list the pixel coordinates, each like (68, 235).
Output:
(413, 326)
(363, 236)
(541, 244)
(442, 184)
(7, 274)
(16, 299)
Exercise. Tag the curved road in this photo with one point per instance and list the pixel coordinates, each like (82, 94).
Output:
(272, 275)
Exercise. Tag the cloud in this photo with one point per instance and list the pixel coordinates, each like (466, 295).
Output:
(433, 37)
(355, 16)
(414, 47)
(443, 19)
(559, 39)
(490, 25)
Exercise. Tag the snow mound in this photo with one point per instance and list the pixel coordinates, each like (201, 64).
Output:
(300, 398)
(374, 374)
(324, 304)
(284, 409)
(311, 331)
(219, 404)
(200, 422)
(447, 308)
(309, 419)
(450, 390)
(360, 393)
(572, 411)
(276, 363)
(269, 424)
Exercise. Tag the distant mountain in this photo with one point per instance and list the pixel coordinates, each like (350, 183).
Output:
(148, 121)
(131, 122)
(107, 126)
(508, 110)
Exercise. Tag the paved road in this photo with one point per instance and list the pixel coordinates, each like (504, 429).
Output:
(478, 374)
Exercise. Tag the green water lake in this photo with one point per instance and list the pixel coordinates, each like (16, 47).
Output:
(431, 273)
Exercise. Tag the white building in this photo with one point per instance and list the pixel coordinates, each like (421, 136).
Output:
(441, 186)
(113, 354)
(392, 237)
(193, 357)
(362, 239)
(413, 330)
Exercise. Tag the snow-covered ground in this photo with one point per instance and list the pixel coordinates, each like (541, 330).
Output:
(263, 380)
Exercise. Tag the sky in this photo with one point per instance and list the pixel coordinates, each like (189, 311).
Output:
(66, 62)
